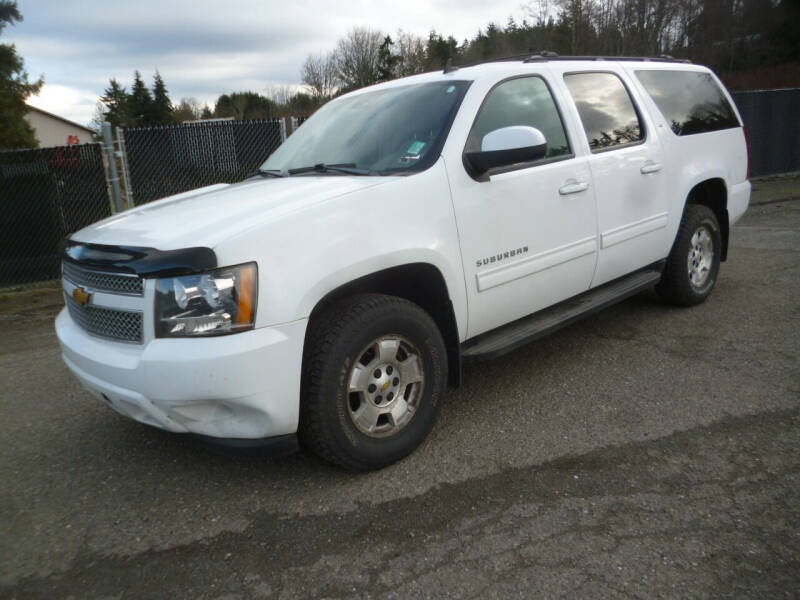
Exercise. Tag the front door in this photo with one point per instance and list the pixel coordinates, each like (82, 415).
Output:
(528, 233)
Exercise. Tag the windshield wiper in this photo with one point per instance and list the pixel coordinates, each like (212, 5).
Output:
(267, 173)
(348, 168)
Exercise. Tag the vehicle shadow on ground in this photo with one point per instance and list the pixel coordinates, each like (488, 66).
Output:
(185, 458)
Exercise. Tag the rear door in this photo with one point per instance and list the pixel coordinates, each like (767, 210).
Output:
(627, 164)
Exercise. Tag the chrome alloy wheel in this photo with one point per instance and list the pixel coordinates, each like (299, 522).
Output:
(701, 257)
(385, 386)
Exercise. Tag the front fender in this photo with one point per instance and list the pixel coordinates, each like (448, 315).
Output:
(304, 255)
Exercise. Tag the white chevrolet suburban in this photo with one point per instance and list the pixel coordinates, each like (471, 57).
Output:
(405, 227)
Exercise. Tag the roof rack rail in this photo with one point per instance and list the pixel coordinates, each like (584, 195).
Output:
(543, 55)
(546, 55)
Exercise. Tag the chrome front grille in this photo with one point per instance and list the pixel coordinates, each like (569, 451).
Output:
(114, 324)
(114, 283)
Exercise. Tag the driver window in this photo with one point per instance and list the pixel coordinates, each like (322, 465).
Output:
(521, 101)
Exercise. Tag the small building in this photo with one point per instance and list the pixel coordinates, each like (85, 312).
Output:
(52, 130)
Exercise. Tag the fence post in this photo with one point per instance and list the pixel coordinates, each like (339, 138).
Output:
(112, 166)
(294, 124)
(283, 129)
(123, 161)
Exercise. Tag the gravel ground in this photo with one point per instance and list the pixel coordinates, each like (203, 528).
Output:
(646, 451)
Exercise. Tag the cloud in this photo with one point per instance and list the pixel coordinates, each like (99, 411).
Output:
(204, 48)
(53, 98)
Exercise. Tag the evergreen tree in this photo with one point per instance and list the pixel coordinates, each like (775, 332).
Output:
(439, 50)
(244, 106)
(301, 104)
(116, 108)
(161, 107)
(140, 101)
(206, 114)
(387, 60)
(15, 88)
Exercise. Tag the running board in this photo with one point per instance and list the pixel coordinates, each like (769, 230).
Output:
(506, 338)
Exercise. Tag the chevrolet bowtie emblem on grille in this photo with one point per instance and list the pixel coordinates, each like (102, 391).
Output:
(81, 296)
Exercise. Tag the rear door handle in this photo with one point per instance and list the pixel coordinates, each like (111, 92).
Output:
(573, 187)
(650, 167)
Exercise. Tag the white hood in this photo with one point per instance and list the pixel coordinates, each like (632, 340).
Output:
(209, 215)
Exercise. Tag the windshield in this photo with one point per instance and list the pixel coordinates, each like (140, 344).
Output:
(384, 132)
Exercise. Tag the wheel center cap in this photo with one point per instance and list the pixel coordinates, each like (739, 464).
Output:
(384, 380)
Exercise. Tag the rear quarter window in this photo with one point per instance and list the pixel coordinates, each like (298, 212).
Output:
(690, 101)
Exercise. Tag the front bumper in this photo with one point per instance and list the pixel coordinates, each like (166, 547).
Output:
(244, 386)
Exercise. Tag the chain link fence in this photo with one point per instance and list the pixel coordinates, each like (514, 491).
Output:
(297, 121)
(46, 194)
(165, 160)
(771, 118)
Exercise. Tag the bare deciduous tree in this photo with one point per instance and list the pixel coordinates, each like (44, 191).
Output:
(319, 74)
(188, 109)
(356, 57)
(280, 93)
(411, 54)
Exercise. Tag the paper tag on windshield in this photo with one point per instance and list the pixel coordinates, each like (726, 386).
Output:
(416, 148)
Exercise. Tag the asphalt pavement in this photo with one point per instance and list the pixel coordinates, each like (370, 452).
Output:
(645, 452)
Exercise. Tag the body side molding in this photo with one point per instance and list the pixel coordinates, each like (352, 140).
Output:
(632, 230)
(533, 264)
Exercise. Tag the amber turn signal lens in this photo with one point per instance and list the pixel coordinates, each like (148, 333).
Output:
(247, 286)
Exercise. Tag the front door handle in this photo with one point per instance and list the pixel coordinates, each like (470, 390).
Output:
(650, 167)
(573, 187)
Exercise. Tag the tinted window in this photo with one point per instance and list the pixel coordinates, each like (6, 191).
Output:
(521, 101)
(605, 108)
(691, 102)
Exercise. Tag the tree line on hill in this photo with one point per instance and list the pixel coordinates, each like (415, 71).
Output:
(734, 37)
(728, 35)
(142, 106)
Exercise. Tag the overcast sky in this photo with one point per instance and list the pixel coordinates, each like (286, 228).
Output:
(203, 48)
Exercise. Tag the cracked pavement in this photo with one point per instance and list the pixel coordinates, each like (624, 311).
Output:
(644, 452)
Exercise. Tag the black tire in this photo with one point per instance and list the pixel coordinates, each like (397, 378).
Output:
(335, 342)
(676, 287)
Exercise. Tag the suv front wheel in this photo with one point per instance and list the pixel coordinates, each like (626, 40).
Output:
(374, 379)
(693, 263)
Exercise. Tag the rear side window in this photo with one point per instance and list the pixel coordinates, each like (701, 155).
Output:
(609, 118)
(521, 101)
(691, 102)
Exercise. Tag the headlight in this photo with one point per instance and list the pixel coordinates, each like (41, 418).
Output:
(214, 303)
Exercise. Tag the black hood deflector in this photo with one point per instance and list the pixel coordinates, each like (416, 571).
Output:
(145, 262)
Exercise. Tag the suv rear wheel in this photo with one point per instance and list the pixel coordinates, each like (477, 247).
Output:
(374, 378)
(693, 264)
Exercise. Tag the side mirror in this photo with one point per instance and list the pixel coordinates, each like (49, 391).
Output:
(507, 146)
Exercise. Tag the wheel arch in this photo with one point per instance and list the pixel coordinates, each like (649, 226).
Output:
(421, 283)
(713, 193)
